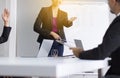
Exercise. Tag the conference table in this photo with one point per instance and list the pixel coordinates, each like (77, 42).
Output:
(56, 67)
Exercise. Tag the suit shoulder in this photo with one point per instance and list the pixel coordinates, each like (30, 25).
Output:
(44, 8)
(116, 27)
(63, 12)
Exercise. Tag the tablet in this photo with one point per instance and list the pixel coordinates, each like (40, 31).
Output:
(78, 43)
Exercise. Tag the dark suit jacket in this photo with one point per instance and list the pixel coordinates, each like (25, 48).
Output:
(109, 47)
(5, 34)
(43, 23)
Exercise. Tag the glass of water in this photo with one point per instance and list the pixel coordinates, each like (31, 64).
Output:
(54, 53)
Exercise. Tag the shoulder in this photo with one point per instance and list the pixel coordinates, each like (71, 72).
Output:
(44, 8)
(63, 12)
(117, 22)
(115, 27)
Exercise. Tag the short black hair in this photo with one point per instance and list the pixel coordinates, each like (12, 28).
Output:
(118, 1)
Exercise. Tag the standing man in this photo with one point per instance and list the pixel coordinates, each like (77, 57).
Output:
(110, 46)
(6, 29)
(50, 23)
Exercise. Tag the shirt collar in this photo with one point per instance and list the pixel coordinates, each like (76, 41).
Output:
(118, 14)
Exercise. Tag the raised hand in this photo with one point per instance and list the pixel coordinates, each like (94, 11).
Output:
(5, 17)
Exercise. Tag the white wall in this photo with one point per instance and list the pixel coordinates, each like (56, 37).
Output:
(27, 11)
(91, 24)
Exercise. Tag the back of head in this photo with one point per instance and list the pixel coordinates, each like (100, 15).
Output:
(114, 6)
(118, 1)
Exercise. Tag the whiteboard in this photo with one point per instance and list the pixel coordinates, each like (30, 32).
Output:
(90, 26)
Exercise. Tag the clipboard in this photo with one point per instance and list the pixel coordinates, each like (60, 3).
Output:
(63, 43)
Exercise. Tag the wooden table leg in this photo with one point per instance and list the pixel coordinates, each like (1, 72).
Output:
(100, 73)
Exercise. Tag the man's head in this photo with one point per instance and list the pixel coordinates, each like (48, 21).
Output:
(56, 2)
(114, 6)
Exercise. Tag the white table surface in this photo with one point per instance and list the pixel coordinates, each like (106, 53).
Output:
(48, 66)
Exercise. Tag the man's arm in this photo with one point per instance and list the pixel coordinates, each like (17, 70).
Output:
(5, 35)
(111, 43)
(6, 29)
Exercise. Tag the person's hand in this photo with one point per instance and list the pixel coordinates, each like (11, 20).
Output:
(76, 51)
(72, 19)
(5, 17)
(55, 35)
